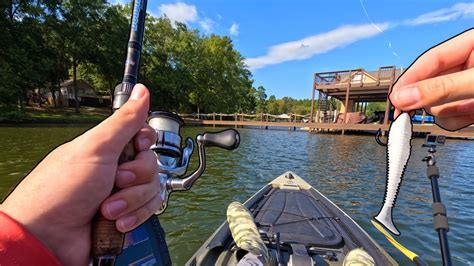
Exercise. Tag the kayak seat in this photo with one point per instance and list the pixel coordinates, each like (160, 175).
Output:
(298, 217)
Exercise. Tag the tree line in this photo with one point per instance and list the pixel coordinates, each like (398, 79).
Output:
(47, 42)
(285, 105)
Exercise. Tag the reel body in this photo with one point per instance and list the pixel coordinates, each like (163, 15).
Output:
(173, 160)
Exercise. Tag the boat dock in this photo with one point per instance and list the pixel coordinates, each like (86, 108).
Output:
(297, 123)
(341, 105)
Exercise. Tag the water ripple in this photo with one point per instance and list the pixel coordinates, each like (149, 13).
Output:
(350, 170)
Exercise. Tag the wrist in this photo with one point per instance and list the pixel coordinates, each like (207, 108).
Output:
(19, 246)
(34, 226)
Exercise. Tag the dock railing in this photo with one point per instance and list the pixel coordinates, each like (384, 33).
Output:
(295, 121)
(342, 77)
(241, 117)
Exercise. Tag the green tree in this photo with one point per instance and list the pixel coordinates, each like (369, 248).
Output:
(56, 61)
(194, 73)
(273, 107)
(374, 107)
(82, 20)
(21, 57)
(46, 42)
(261, 100)
(111, 48)
(104, 70)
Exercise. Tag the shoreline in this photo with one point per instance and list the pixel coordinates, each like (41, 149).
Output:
(53, 115)
(29, 122)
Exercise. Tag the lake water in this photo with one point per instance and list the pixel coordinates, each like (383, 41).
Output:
(349, 170)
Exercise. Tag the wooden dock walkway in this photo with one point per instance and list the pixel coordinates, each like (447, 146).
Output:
(341, 95)
(298, 122)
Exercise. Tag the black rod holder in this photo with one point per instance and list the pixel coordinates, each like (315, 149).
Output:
(440, 218)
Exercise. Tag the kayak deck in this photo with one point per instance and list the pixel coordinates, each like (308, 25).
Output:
(298, 219)
(311, 229)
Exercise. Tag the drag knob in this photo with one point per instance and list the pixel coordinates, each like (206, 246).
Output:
(228, 139)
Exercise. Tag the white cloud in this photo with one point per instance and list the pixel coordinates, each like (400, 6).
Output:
(186, 14)
(316, 44)
(207, 25)
(179, 11)
(457, 11)
(234, 29)
(118, 2)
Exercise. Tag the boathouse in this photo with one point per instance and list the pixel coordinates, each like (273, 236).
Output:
(351, 91)
(341, 105)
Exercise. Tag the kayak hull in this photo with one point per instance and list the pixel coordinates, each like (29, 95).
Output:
(307, 222)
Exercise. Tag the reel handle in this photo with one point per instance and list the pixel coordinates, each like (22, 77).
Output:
(228, 139)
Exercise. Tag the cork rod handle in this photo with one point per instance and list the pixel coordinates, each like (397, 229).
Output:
(106, 239)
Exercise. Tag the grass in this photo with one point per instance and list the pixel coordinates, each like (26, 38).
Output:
(62, 115)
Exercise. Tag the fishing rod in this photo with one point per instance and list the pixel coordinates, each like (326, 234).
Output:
(172, 160)
(107, 241)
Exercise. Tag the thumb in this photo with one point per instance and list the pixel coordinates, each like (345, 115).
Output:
(118, 129)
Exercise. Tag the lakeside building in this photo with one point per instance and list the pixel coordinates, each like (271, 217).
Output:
(86, 94)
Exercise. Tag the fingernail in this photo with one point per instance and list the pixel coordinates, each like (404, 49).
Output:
(125, 177)
(127, 223)
(114, 208)
(137, 92)
(466, 107)
(144, 144)
(407, 96)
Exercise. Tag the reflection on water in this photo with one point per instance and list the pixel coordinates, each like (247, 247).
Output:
(21, 148)
(350, 170)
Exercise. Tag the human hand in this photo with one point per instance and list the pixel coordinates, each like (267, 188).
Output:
(59, 198)
(442, 82)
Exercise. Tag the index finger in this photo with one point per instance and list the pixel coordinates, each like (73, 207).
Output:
(444, 56)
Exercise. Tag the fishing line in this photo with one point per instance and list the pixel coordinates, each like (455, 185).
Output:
(369, 18)
(389, 43)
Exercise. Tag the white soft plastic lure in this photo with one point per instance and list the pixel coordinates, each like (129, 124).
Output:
(398, 153)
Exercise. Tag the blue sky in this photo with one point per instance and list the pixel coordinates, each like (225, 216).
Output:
(285, 42)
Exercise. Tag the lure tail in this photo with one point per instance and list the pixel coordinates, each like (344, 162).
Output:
(385, 218)
(398, 153)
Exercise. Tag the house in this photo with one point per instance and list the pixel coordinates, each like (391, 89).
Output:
(86, 94)
(84, 89)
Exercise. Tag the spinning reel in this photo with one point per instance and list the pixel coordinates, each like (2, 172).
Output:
(173, 160)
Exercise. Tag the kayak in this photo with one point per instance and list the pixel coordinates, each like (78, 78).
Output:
(298, 225)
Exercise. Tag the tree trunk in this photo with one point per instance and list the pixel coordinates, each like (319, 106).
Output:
(53, 95)
(23, 98)
(111, 94)
(76, 100)
(111, 91)
(60, 97)
(20, 103)
(11, 11)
